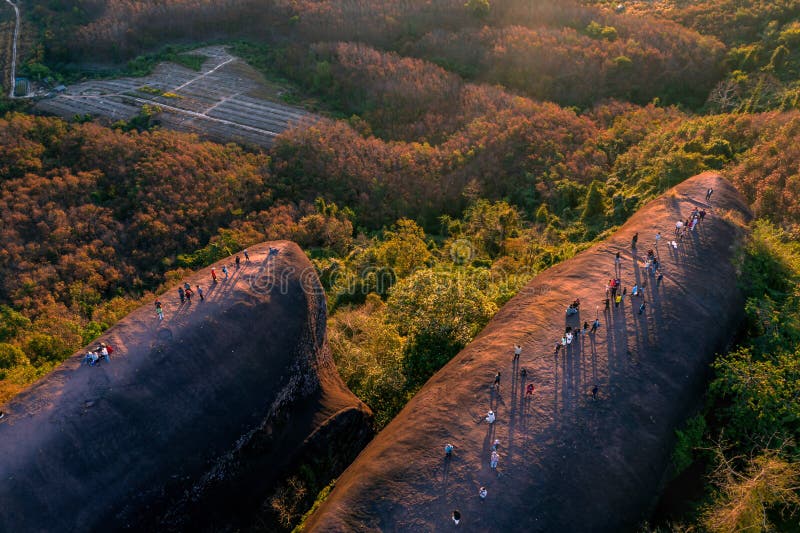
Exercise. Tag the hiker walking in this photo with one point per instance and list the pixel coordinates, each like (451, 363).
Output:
(159, 311)
(225, 271)
(490, 417)
(658, 238)
(709, 192)
(483, 493)
(494, 459)
(188, 293)
(238, 260)
(456, 516)
(594, 393)
(246, 256)
(529, 390)
(213, 275)
(641, 307)
(595, 325)
(523, 374)
(496, 384)
(200, 293)
(517, 352)
(181, 294)
(448, 450)
(186, 286)
(634, 240)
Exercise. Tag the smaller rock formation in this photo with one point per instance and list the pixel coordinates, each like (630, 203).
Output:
(196, 419)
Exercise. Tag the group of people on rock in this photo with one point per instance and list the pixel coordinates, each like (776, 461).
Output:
(613, 291)
(101, 351)
(186, 293)
(682, 228)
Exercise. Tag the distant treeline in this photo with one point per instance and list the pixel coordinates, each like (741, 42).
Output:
(559, 51)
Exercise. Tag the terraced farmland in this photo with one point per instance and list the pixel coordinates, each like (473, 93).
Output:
(223, 102)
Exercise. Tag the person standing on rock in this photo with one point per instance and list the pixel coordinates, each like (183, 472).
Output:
(557, 348)
(634, 240)
(448, 450)
(188, 293)
(709, 192)
(200, 293)
(594, 393)
(494, 459)
(517, 352)
(181, 294)
(238, 260)
(529, 390)
(225, 271)
(246, 256)
(483, 493)
(159, 311)
(213, 275)
(523, 374)
(456, 516)
(617, 263)
(497, 380)
(490, 417)
(641, 307)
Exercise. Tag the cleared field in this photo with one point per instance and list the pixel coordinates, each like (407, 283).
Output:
(220, 102)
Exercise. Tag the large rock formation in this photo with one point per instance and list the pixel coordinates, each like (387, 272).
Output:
(567, 462)
(195, 419)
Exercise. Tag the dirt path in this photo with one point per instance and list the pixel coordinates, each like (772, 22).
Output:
(14, 50)
(187, 419)
(567, 462)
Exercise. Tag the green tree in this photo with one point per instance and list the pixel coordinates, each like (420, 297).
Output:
(478, 8)
(369, 356)
(488, 224)
(595, 203)
(11, 323)
(11, 356)
(440, 312)
(403, 248)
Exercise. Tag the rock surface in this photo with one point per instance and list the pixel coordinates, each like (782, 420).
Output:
(195, 419)
(567, 462)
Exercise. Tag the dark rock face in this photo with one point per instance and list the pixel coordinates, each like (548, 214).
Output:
(195, 419)
(567, 462)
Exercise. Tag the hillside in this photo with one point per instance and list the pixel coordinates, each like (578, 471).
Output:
(196, 420)
(567, 462)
